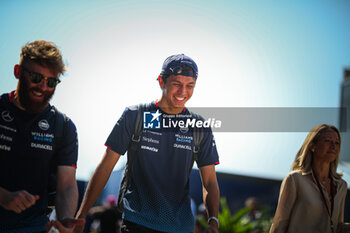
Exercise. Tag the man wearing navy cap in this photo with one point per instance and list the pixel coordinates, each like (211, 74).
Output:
(157, 196)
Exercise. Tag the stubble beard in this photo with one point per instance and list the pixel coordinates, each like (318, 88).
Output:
(30, 105)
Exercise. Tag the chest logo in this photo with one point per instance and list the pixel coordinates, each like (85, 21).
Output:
(7, 116)
(44, 125)
(184, 130)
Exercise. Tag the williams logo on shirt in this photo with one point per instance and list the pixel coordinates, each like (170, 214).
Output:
(151, 120)
(44, 125)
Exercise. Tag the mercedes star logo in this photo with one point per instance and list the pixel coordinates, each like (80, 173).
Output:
(7, 116)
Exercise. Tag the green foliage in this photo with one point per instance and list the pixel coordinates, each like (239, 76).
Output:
(239, 223)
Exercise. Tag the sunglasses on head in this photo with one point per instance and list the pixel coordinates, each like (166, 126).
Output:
(36, 78)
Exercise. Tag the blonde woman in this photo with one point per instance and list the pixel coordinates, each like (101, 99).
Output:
(312, 196)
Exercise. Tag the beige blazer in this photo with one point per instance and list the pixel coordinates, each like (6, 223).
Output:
(301, 208)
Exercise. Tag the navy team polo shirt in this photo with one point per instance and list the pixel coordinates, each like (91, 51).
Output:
(158, 194)
(26, 150)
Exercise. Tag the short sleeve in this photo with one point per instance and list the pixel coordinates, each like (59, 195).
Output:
(67, 155)
(208, 154)
(120, 137)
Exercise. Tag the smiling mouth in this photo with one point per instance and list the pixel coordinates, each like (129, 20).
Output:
(180, 99)
(37, 93)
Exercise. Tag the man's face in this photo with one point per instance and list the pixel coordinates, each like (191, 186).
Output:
(34, 97)
(177, 90)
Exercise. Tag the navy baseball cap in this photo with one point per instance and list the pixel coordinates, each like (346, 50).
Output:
(173, 66)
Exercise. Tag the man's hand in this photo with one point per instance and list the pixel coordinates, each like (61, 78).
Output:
(79, 229)
(211, 195)
(67, 225)
(17, 201)
(211, 229)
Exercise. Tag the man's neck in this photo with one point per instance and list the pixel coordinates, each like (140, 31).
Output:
(169, 110)
(15, 101)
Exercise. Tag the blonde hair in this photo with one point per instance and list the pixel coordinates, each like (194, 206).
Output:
(44, 53)
(303, 159)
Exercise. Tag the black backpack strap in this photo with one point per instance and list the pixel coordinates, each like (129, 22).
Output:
(132, 150)
(197, 138)
(136, 137)
(60, 130)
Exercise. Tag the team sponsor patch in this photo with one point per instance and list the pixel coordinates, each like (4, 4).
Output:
(183, 129)
(44, 125)
(150, 140)
(42, 137)
(183, 138)
(8, 128)
(152, 132)
(180, 146)
(40, 146)
(153, 149)
(6, 138)
(4, 147)
(7, 116)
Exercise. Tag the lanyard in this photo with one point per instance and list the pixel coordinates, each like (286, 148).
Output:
(330, 213)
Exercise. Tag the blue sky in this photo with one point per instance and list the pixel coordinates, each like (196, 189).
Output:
(250, 53)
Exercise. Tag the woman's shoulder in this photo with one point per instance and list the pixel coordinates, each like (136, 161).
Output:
(297, 173)
(342, 182)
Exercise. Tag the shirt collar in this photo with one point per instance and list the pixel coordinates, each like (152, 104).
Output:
(310, 172)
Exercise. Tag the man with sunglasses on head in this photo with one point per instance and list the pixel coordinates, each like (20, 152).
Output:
(157, 196)
(28, 153)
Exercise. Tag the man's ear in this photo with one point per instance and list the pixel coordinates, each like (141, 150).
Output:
(16, 71)
(161, 82)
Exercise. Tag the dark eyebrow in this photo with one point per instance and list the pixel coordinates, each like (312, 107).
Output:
(176, 81)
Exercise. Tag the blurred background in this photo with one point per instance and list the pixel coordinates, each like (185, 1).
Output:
(253, 53)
